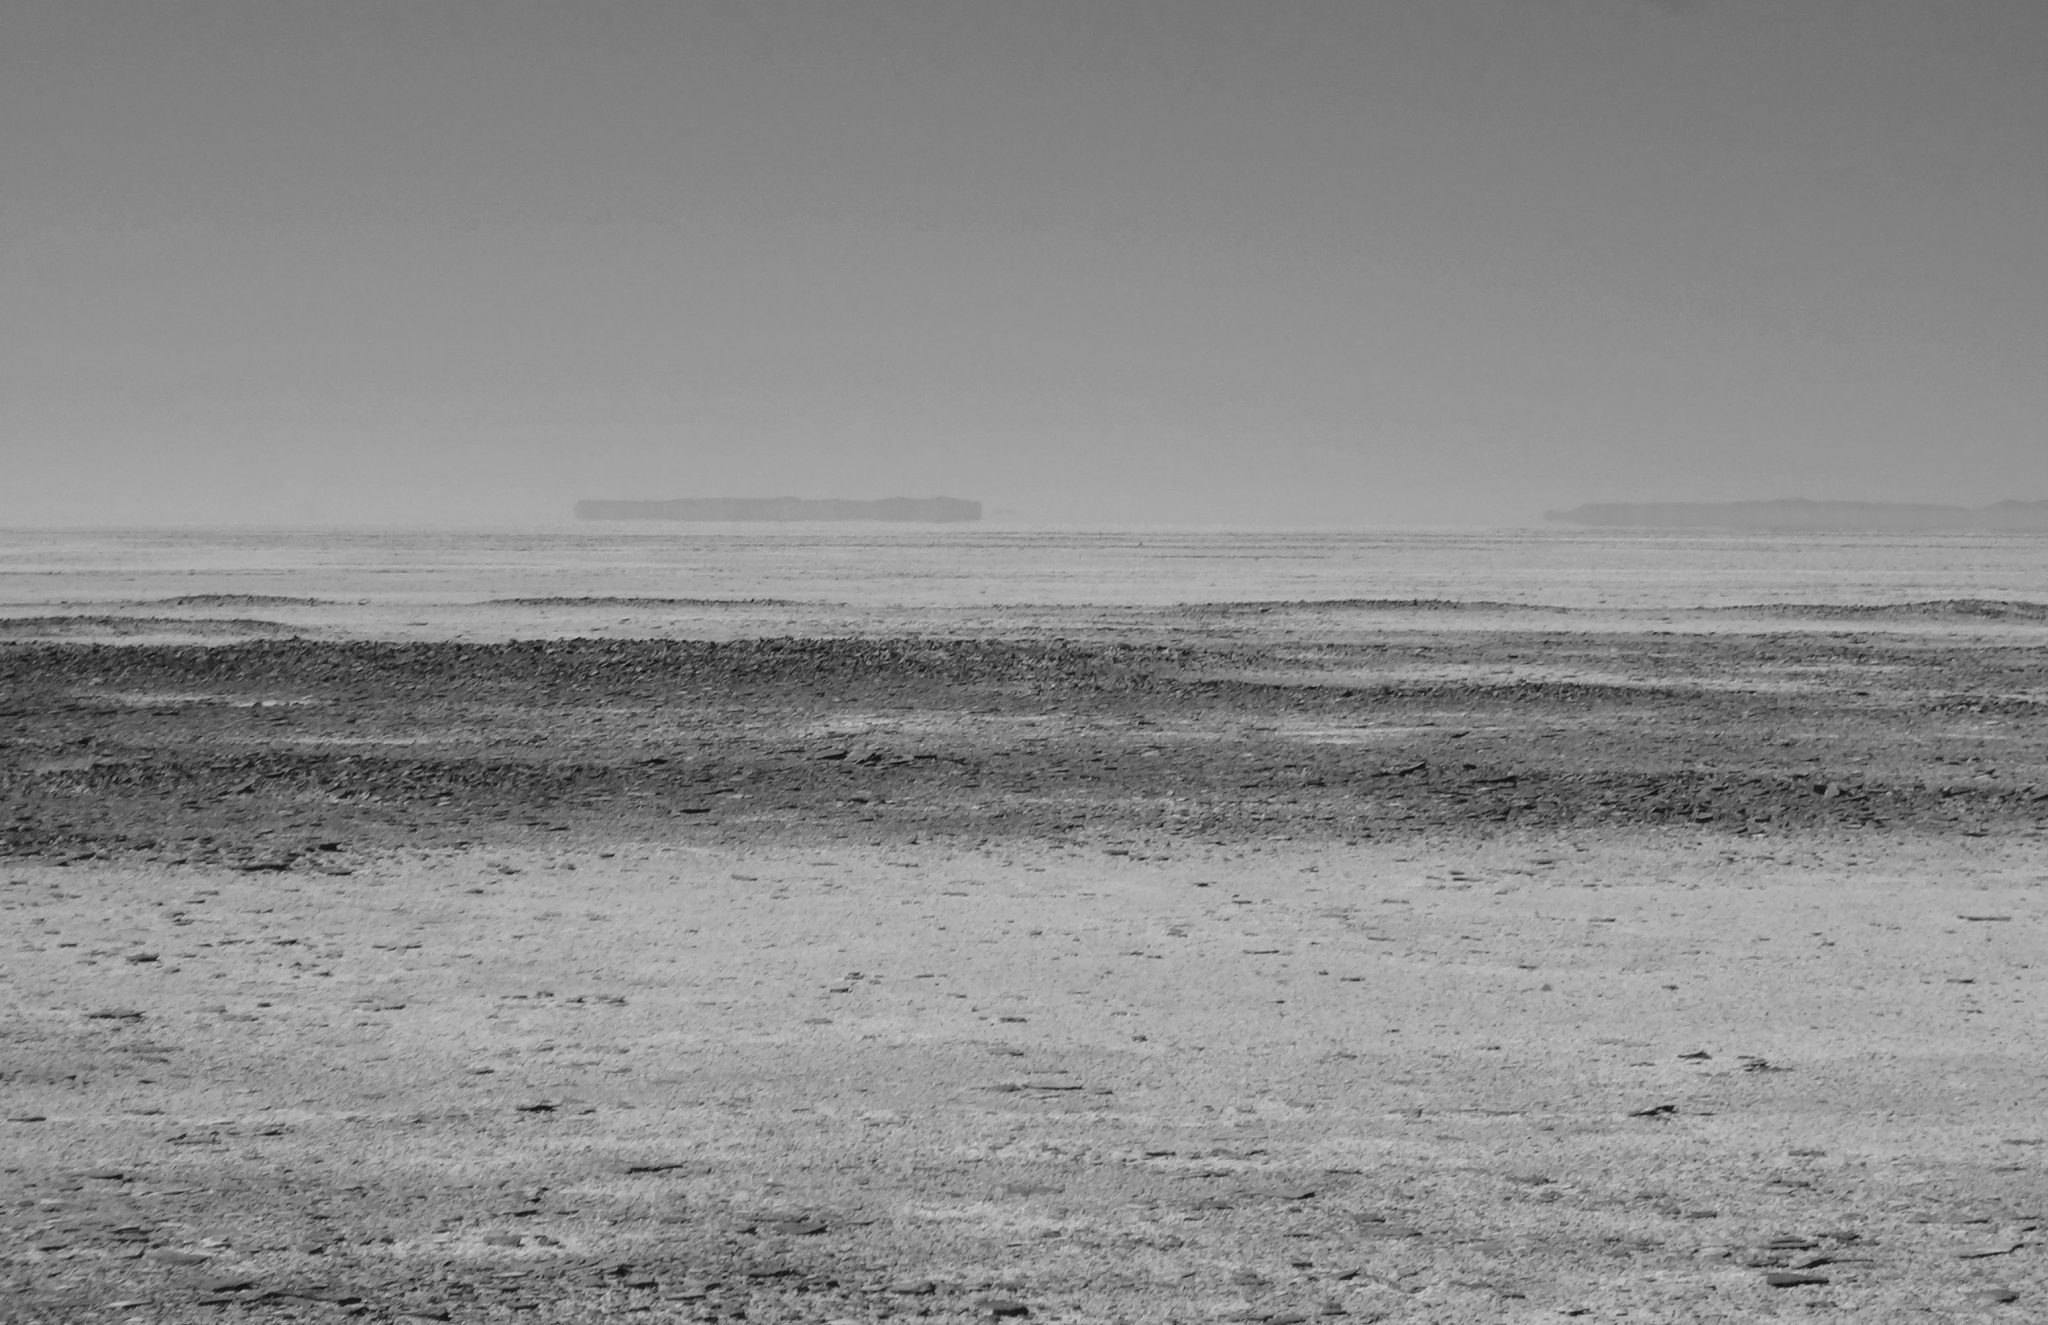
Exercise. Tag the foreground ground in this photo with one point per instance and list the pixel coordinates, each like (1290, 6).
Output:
(1253, 962)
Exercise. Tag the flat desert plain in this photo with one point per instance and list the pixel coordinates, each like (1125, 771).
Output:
(574, 959)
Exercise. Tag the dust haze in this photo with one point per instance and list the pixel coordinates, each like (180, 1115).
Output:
(1322, 265)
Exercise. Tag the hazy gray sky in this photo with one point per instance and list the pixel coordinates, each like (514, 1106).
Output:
(1442, 260)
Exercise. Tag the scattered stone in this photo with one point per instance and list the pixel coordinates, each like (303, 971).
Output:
(234, 1283)
(1387, 1231)
(1655, 1111)
(1985, 919)
(503, 1240)
(1987, 1250)
(116, 1014)
(1697, 1055)
(658, 1166)
(1003, 1308)
(137, 958)
(1793, 1279)
(913, 1287)
(105, 1175)
(1997, 1295)
(166, 1256)
(26, 1118)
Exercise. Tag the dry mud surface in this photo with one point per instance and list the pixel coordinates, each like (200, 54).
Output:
(1252, 962)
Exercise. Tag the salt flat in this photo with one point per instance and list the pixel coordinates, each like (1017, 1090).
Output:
(872, 952)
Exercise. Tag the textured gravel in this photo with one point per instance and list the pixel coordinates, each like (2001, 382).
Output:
(1244, 964)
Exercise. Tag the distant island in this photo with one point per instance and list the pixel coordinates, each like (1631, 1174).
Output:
(1798, 515)
(912, 510)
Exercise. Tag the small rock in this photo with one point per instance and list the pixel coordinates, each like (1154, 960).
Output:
(1792, 1279)
(1385, 1230)
(1004, 1308)
(1655, 1111)
(166, 1256)
(914, 1287)
(1987, 1250)
(1996, 1295)
(115, 1014)
(26, 1118)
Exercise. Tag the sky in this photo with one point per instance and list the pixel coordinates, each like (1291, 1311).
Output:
(1090, 261)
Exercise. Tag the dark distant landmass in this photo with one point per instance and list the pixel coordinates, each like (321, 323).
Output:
(1797, 515)
(919, 510)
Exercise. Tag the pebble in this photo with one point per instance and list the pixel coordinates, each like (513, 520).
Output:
(1387, 1231)
(1792, 1279)
(1987, 1250)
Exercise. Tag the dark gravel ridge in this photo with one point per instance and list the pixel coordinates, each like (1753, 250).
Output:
(259, 751)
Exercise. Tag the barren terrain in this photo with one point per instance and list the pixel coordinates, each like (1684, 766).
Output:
(1262, 961)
